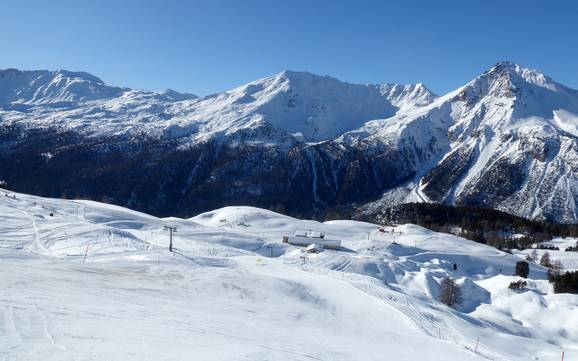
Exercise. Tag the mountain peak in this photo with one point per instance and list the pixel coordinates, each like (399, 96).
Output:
(305, 77)
(81, 75)
(407, 95)
(289, 74)
(61, 73)
(52, 87)
(518, 75)
(174, 95)
(508, 80)
(505, 65)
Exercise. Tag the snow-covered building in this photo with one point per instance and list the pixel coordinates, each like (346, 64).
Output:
(309, 233)
(309, 237)
(314, 248)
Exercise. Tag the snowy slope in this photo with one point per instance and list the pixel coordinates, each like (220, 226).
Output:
(234, 292)
(569, 260)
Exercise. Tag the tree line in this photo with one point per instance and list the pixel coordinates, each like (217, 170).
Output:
(495, 228)
(562, 282)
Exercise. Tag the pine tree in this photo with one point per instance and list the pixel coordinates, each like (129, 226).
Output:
(522, 269)
(450, 293)
(566, 283)
(518, 285)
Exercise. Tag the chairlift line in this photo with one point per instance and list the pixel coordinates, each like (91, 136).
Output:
(171, 231)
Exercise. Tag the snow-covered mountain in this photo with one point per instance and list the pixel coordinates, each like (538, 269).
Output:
(298, 141)
(506, 140)
(87, 280)
(64, 88)
(299, 105)
(52, 87)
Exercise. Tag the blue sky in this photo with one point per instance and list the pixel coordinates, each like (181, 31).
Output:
(209, 46)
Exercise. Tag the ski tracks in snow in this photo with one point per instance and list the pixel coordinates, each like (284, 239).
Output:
(423, 320)
(40, 246)
(27, 329)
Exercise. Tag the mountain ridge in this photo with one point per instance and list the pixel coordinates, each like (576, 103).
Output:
(505, 140)
(268, 99)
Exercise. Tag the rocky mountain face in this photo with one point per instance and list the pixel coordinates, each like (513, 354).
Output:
(296, 142)
(511, 145)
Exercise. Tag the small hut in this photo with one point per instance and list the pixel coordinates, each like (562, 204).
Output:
(314, 248)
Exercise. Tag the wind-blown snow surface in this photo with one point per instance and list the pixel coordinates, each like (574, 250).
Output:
(233, 292)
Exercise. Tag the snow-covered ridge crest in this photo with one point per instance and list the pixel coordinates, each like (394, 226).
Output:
(299, 104)
(66, 89)
(307, 106)
(403, 96)
(519, 74)
(46, 87)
